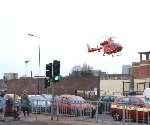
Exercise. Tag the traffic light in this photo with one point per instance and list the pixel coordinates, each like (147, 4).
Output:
(46, 82)
(56, 70)
(49, 70)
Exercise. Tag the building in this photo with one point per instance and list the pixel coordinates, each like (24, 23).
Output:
(126, 69)
(97, 72)
(114, 76)
(114, 87)
(9, 76)
(114, 84)
(141, 72)
(89, 87)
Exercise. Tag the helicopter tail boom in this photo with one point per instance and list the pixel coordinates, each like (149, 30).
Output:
(90, 49)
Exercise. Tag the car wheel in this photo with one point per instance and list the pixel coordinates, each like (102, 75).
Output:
(117, 117)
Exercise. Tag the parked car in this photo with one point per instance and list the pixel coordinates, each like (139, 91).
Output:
(47, 96)
(39, 103)
(2, 103)
(73, 105)
(104, 103)
(134, 108)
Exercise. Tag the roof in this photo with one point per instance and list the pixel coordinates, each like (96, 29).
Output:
(36, 97)
(148, 52)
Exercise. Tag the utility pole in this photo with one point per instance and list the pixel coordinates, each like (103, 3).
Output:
(52, 108)
(55, 78)
(39, 54)
(99, 84)
(52, 76)
(26, 62)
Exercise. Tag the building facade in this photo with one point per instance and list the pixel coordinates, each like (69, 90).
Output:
(114, 87)
(9, 76)
(141, 72)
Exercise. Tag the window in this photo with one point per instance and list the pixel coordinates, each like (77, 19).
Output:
(124, 100)
(112, 98)
(135, 101)
(106, 98)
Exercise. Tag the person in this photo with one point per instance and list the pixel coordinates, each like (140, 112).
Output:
(8, 106)
(25, 103)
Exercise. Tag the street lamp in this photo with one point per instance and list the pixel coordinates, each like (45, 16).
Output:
(32, 35)
(26, 62)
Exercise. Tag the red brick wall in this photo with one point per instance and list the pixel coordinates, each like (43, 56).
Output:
(66, 85)
(141, 70)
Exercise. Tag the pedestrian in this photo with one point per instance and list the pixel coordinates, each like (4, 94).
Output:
(25, 103)
(8, 106)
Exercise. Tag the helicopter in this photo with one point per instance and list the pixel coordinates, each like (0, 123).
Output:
(108, 46)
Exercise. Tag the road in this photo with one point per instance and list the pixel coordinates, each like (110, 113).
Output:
(44, 120)
(32, 123)
(104, 119)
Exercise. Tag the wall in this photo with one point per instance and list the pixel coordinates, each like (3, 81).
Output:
(141, 70)
(111, 87)
(143, 83)
(66, 85)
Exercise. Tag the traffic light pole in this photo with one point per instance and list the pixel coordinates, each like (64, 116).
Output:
(53, 73)
(52, 107)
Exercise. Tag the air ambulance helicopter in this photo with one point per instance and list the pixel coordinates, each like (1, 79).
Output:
(108, 46)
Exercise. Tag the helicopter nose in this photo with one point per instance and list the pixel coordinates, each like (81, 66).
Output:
(120, 48)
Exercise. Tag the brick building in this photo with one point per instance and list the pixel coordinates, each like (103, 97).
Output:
(85, 86)
(141, 69)
(141, 72)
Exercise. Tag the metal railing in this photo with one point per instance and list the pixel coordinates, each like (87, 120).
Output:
(40, 106)
(94, 111)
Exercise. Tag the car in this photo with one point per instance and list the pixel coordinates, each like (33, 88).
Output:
(133, 108)
(73, 105)
(2, 103)
(39, 104)
(104, 103)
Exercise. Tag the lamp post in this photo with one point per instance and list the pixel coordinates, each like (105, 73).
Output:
(26, 62)
(99, 84)
(32, 35)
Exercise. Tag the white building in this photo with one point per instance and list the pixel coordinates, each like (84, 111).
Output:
(9, 76)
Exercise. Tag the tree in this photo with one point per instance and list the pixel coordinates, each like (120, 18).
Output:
(76, 70)
(86, 70)
(83, 70)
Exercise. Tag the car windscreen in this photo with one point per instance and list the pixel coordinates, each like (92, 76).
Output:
(124, 100)
(108, 98)
(112, 98)
(77, 100)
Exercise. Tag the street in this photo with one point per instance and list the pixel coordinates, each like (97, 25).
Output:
(104, 119)
(44, 120)
(47, 123)
(31, 123)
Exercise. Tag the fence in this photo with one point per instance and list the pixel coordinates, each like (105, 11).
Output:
(93, 111)
(40, 106)
(100, 112)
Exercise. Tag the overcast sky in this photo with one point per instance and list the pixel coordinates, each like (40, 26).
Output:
(65, 27)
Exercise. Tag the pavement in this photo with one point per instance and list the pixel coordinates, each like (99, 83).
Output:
(39, 119)
(34, 119)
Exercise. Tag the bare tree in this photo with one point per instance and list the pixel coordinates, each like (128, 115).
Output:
(83, 70)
